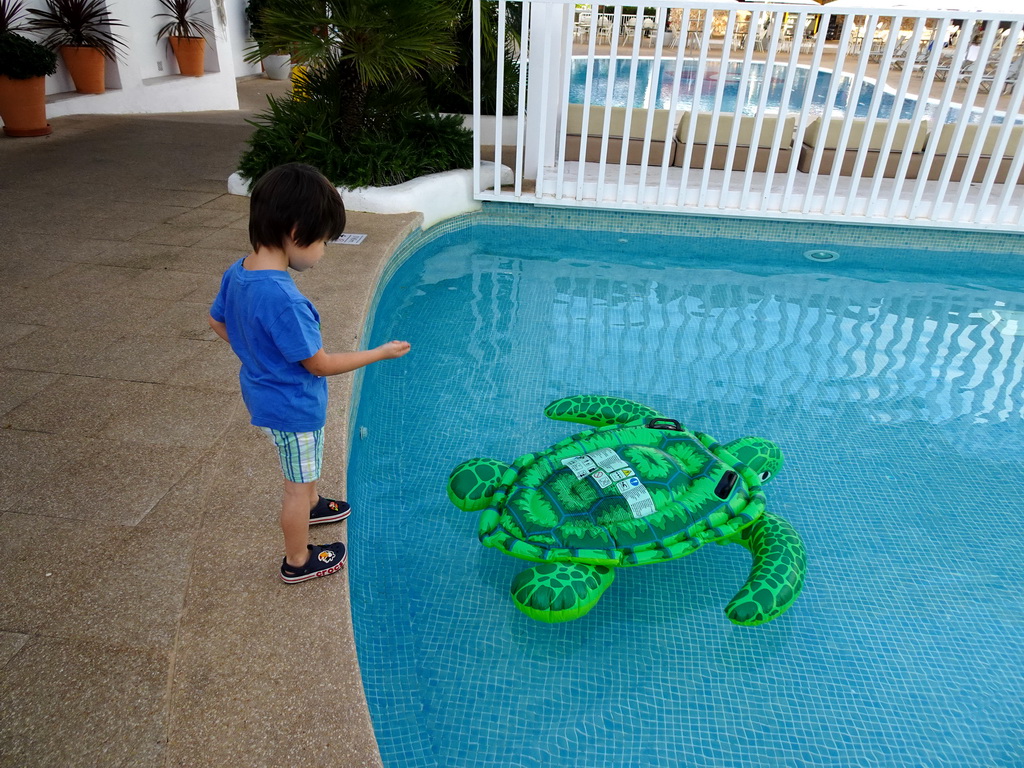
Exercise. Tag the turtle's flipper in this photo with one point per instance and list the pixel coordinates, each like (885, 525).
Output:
(555, 592)
(598, 410)
(777, 574)
(472, 484)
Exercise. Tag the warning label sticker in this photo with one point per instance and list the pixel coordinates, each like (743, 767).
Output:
(605, 468)
(581, 466)
(608, 460)
(639, 500)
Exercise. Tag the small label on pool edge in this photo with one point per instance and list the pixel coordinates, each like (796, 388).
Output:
(350, 239)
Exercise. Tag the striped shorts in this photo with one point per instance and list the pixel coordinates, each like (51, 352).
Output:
(302, 453)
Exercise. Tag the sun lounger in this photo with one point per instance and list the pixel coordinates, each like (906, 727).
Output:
(943, 139)
(829, 140)
(988, 78)
(595, 129)
(744, 143)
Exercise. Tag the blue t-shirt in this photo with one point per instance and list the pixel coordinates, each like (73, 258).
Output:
(272, 327)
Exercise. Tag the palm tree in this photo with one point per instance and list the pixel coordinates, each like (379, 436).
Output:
(451, 89)
(364, 45)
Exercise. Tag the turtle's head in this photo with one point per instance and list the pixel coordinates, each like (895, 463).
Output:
(472, 484)
(762, 456)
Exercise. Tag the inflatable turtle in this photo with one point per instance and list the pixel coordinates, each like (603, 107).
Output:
(638, 489)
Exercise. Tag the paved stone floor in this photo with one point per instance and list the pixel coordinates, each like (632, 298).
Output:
(142, 622)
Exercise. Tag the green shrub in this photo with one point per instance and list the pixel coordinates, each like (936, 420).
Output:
(361, 115)
(450, 89)
(21, 58)
(382, 153)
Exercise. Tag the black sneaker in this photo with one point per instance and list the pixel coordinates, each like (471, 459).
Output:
(323, 561)
(329, 511)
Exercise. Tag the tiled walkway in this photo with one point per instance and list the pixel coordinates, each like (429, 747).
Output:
(142, 622)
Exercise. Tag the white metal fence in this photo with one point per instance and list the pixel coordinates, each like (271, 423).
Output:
(838, 113)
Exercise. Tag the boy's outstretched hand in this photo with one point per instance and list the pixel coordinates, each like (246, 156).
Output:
(394, 349)
(332, 363)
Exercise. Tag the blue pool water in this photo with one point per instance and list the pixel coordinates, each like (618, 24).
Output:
(892, 379)
(657, 90)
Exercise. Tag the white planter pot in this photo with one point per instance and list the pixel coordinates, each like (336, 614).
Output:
(278, 66)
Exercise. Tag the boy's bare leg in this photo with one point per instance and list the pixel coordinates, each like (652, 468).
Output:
(314, 497)
(295, 521)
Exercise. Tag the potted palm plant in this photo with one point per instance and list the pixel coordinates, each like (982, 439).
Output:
(24, 65)
(186, 30)
(80, 30)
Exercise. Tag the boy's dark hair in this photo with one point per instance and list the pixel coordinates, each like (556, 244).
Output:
(297, 200)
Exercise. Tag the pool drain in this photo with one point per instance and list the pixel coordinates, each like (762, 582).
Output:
(820, 255)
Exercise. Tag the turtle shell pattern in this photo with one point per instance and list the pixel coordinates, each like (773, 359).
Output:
(543, 512)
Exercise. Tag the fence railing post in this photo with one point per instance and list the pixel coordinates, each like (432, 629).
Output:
(542, 96)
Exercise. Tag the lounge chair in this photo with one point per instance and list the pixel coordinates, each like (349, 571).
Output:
(829, 140)
(595, 129)
(1012, 76)
(762, 36)
(900, 53)
(945, 67)
(967, 71)
(744, 142)
(943, 140)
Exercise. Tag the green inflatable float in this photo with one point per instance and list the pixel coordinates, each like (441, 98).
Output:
(638, 489)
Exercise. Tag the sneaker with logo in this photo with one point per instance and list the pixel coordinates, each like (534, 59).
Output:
(323, 561)
(329, 511)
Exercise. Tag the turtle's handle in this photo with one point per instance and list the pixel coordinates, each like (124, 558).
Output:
(777, 574)
(599, 410)
(669, 424)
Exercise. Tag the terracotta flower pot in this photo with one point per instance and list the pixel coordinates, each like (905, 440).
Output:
(23, 106)
(87, 67)
(190, 53)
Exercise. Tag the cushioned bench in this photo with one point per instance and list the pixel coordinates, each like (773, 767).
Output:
(744, 142)
(616, 130)
(943, 138)
(829, 139)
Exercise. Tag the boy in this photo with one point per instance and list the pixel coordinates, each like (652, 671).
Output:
(275, 331)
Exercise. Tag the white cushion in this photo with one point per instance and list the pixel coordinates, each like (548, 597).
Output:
(856, 139)
(944, 139)
(637, 125)
(723, 130)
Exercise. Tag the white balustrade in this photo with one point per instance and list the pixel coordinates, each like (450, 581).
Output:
(837, 113)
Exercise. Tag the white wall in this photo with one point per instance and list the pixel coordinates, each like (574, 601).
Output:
(239, 38)
(145, 78)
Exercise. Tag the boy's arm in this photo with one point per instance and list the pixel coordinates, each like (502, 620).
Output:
(219, 328)
(331, 363)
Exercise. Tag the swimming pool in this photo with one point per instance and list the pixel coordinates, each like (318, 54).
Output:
(657, 91)
(892, 380)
